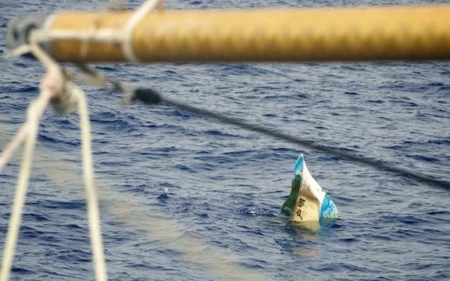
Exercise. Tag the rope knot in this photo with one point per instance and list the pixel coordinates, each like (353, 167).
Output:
(60, 89)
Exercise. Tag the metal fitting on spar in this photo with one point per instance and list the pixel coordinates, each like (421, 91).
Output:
(19, 30)
(269, 35)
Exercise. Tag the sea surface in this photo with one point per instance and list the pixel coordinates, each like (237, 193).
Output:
(183, 197)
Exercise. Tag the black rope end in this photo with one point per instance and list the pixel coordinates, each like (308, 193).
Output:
(147, 96)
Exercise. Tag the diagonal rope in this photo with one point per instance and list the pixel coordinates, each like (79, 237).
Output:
(35, 112)
(128, 31)
(13, 145)
(51, 84)
(91, 193)
(149, 96)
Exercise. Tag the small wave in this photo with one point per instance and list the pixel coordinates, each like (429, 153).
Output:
(23, 89)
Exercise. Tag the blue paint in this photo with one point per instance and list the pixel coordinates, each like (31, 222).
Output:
(328, 209)
(298, 167)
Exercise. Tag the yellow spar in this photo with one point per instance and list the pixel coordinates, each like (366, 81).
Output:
(375, 33)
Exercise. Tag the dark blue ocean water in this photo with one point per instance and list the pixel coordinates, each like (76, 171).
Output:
(219, 218)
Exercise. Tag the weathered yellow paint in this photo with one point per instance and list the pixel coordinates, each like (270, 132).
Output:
(375, 33)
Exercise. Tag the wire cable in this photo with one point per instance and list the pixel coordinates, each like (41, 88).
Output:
(149, 96)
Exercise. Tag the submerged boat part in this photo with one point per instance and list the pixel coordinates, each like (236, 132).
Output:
(308, 204)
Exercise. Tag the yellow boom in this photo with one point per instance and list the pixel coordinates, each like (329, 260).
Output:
(376, 33)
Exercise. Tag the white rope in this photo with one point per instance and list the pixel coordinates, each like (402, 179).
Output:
(63, 95)
(13, 145)
(107, 35)
(91, 194)
(100, 36)
(47, 91)
(77, 96)
(17, 52)
(135, 19)
(35, 111)
(50, 85)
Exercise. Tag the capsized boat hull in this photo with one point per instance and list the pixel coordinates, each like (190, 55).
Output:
(308, 204)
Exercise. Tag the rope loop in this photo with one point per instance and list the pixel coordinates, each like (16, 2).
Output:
(135, 19)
